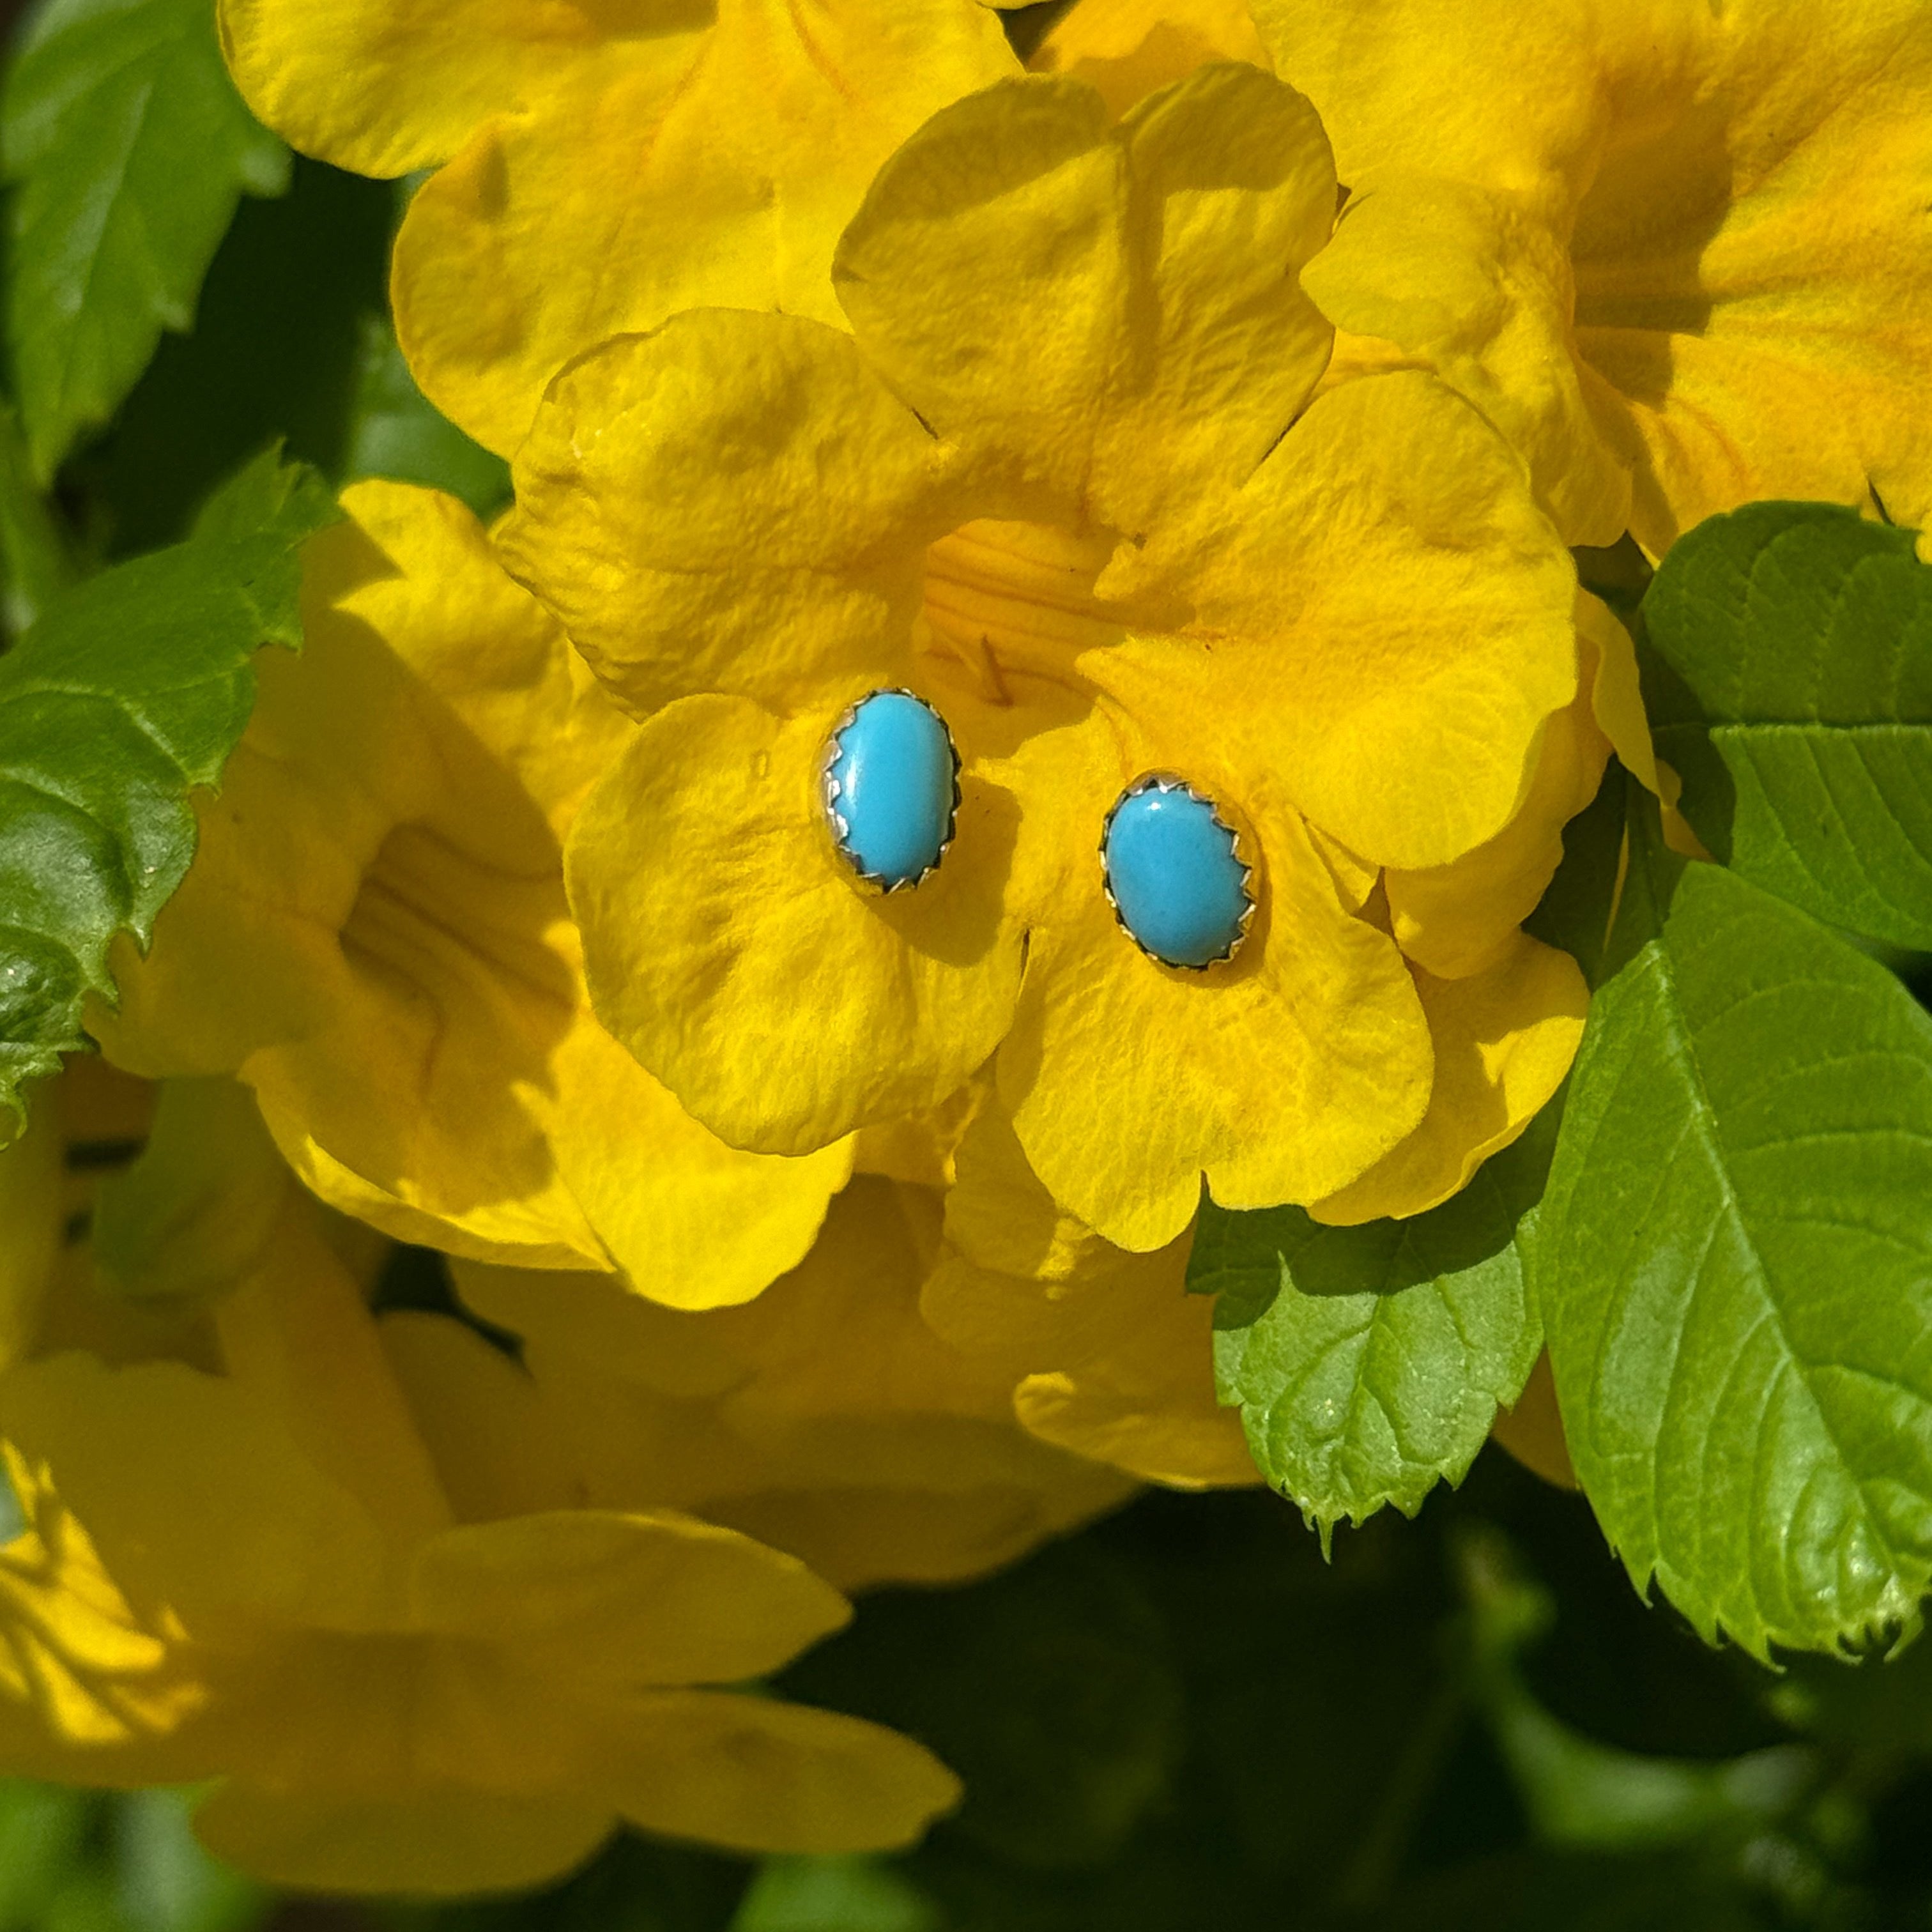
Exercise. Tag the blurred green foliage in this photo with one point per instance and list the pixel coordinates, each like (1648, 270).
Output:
(89, 1861)
(1183, 1718)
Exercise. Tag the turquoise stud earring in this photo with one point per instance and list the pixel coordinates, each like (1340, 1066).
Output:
(1173, 874)
(891, 788)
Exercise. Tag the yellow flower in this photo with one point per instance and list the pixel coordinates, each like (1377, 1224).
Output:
(824, 1418)
(1106, 1351)
(374, 936)
(606, 166)
(1681, 254)
(1064, 480)
(337, 1565)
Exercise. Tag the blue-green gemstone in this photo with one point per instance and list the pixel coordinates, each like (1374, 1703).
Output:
(1174, 875)
(891, 788)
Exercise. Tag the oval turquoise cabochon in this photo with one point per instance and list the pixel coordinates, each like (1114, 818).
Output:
(1171, 869)
(889, 787)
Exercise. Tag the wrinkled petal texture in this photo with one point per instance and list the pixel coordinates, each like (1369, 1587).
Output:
(611, 203)
(1757, 281)
(1117, 309)
(732, 950)
(1391, 620)
(1084, 471)
(1504, 1039)
(1281, 1074)
(385, 86)
(733, 503)
(1481, 287)
(1456, 919)
(1744, 196)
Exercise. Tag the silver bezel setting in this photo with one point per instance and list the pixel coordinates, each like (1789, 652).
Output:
(1171, 781)
(829, 790)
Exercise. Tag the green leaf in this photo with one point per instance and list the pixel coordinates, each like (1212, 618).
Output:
(130, 690)
(1369, 1361)
(1735, 1263)
(1789, 677)
(128, 148)
(35, 563)
(274, 354)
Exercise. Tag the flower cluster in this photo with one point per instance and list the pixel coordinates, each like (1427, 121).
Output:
(1037, 665)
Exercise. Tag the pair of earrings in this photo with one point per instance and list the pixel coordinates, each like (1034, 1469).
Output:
(1170, 864)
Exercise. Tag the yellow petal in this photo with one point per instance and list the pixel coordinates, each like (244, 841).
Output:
(369, 934)
(1479, 287)
(756, 1775)
(1775, 271)
(1145, 1414)
(638, 186)
(733, 503)
(730, 949)
(692, 1221)
(1480, 91)
(1281, 1075)
(375, 966)
(416, 567)
(1001, 277)
(1616, 698)
(496, 1450)
(297, 1338)
(1129, 48)
(91, 1690)
(445, 1842)
(824, 1418)
(606, 1600)
(1504, 1038)
(385, 86)
(1457, 919)
(1392, 620)
(1107, 1353)
(286, 1486)
(546, 1231)
(197, 1495)
(1741, 194)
